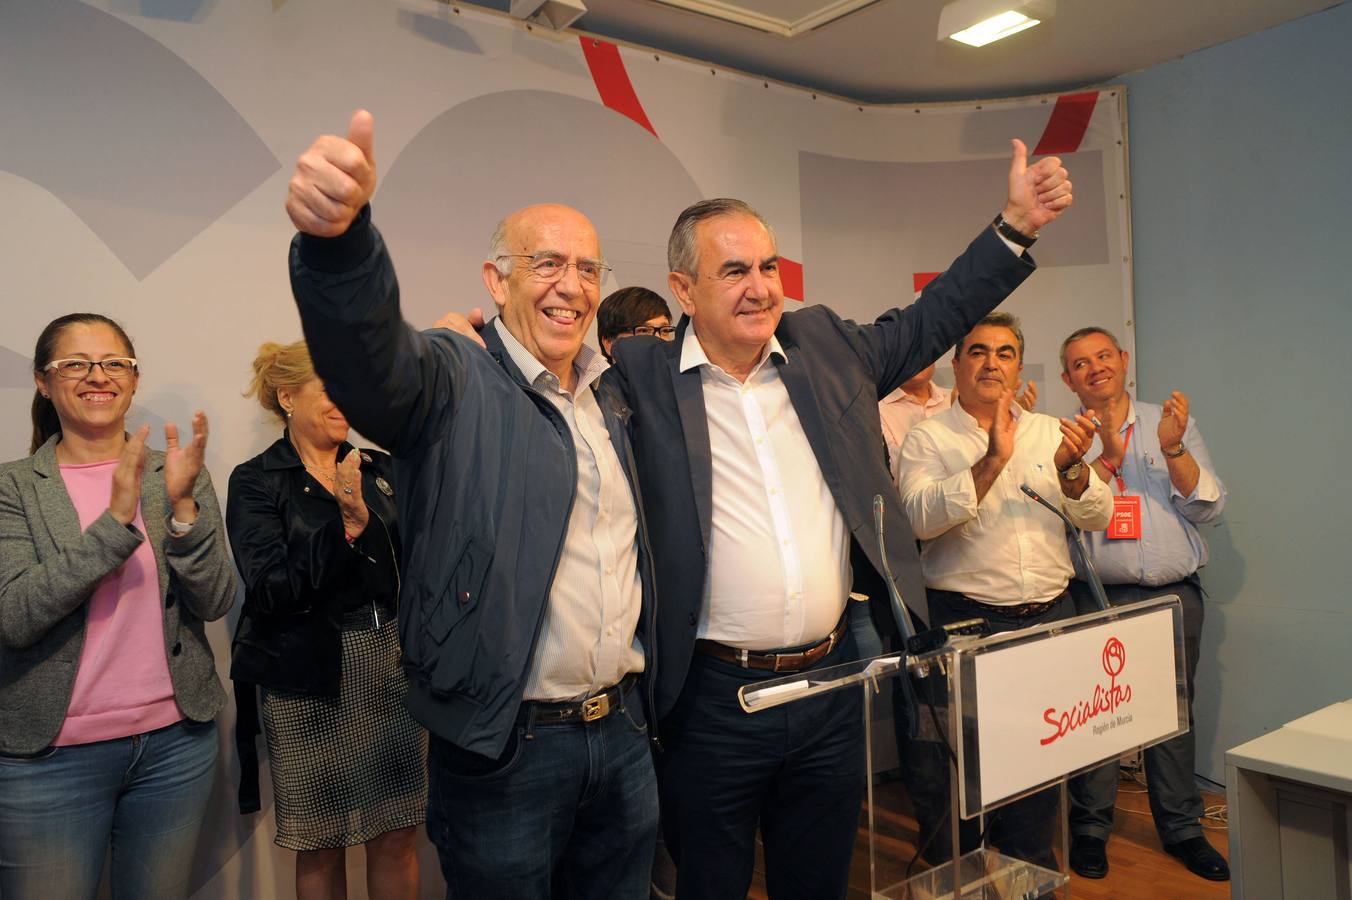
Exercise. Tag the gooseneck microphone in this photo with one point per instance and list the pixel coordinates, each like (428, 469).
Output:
(1077, 541)
(903, 616)
(899, 609)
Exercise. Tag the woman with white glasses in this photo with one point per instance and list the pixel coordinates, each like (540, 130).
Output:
(112, 558)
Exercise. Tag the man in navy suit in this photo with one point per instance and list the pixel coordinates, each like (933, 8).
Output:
(760, 451)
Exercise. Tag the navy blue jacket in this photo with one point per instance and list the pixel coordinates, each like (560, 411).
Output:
(485, 475)
(835, 373)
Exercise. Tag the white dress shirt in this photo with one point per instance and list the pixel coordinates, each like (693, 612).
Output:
(779, 565)
(1005, 550)
(900, 412)
(587, 641)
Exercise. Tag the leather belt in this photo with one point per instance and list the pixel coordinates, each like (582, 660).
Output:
(1022, 610)
(772, 661)
(589, 709)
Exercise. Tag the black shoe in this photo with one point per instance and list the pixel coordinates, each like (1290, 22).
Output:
(1088, 856)
(1199, 856)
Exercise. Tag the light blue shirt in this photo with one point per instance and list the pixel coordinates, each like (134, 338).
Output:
(1170, 548)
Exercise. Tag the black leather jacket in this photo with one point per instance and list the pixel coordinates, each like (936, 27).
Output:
(300, 576)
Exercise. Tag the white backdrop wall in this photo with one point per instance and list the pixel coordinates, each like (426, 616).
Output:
(147, 144)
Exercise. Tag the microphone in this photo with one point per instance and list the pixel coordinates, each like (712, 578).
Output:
(899, 609)
(903, 617)
(1077, 541)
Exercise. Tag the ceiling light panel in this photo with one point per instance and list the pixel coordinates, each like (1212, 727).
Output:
(787, 18)
(993, 29)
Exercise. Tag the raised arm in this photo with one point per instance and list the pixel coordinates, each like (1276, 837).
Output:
(1196, 491)
(390, 381)
(903, 341)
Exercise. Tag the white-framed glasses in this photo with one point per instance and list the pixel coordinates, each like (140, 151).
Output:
(115, 367)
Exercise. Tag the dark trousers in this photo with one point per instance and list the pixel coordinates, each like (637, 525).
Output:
(1170, 767)
(796, 769)
(1023, 829)
(568, 811)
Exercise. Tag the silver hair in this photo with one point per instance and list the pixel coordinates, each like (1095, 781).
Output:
(996, 320)
(682, 254)
(498, 253)
(1084, 333)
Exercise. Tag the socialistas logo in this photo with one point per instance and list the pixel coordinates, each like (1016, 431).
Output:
(1107, 700)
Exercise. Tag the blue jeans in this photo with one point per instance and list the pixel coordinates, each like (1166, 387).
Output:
(144, 795)
(795, 771)
(568, 810)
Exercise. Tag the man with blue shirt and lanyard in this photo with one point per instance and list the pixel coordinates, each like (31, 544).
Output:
(1164, 488)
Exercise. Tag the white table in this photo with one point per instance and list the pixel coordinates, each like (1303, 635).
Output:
(1290, 796)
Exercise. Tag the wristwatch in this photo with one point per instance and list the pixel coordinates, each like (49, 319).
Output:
(1072, 471)
(1011, 233)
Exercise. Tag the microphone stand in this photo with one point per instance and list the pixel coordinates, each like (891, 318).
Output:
(1081, 549)
(904, 623)
(899, 609)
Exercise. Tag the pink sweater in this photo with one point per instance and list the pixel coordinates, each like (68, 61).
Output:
(122, 686)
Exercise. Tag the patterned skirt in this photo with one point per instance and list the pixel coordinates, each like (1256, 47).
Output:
(349, 768)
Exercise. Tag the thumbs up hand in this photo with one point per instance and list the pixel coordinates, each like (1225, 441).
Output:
(1037, 193)
(334, 179)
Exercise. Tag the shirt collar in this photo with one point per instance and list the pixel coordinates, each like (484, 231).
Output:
(937, 395)
(587, 365)
(959, 413)
(693, 355)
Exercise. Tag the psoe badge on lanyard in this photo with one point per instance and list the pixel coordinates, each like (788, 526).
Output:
(1126, 521)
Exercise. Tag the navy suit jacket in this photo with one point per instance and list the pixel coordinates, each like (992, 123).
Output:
(835, 372)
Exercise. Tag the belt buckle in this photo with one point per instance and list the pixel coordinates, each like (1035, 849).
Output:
(594, 708)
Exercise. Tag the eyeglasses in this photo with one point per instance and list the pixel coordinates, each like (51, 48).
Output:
(116, 368)
(665, 332)
(550, 269)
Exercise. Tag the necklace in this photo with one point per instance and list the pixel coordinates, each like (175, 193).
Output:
(326, 473)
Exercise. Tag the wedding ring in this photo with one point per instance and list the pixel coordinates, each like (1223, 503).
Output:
(347, 490)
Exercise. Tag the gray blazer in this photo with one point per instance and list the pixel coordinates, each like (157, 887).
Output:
(49, 569)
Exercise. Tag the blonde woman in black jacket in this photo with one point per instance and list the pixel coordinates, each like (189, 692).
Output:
(313, 526)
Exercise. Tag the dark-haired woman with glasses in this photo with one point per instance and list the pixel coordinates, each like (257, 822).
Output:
(112, 558)
(632, 312)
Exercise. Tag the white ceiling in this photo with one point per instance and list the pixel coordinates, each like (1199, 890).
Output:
(889, 52)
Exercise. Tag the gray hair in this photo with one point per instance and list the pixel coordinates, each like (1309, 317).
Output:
(682, 255)
(996, 320)
(1084, 333)
(498, 253)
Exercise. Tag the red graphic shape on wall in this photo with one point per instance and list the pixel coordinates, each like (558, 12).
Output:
(791, 277)
(1068, 123)
(612, 80)
(920, 279)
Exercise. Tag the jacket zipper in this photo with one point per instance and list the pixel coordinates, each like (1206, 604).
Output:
(565, 433)
(650, 675)
(398, 582)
